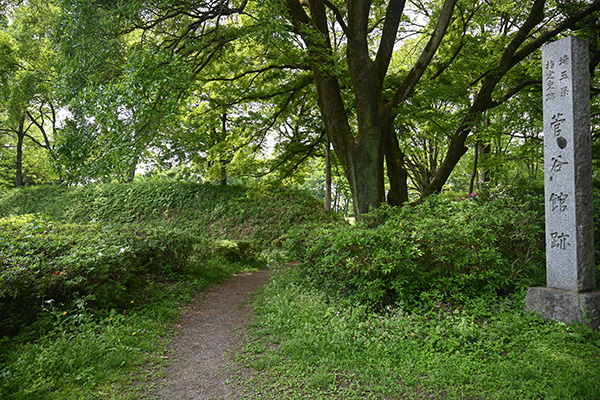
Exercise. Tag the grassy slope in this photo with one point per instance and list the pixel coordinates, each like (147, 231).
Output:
(224, 212)
(79, 348)
(306, 344)
(316, 337)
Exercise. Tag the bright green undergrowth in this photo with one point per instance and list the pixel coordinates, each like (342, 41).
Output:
(79, 349)
(423, 301)
(452, 250)
(225, 212)
(307, 346)
(91, 278)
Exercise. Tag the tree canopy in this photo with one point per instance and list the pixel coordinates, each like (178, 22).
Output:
(402, 89)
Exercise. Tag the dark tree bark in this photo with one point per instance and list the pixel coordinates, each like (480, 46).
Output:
(328, 178)
(19, 165)
(362, 156)
(396, 170)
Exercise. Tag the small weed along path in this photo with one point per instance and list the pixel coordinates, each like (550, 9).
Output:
(200, 369)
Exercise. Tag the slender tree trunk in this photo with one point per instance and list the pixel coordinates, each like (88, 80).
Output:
(223, 162)
(485, 150)
(19, 165)
(223, 179)
(328, 178)
(475, 169)
(335, 200)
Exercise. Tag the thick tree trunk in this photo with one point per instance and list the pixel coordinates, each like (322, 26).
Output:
(362, 155)
(396, 170)
(368, 190)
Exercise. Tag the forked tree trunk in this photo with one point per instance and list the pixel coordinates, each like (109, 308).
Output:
(361, 149)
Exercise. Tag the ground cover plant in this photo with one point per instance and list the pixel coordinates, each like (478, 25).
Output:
(224, 212)
(91, 278)
(306, 345)
(424, 301)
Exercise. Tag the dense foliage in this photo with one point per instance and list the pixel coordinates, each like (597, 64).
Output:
(105, 244)
(452, 249)
(422, 301)
(229, 212)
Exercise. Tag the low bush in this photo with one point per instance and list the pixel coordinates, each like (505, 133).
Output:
(104, 264)
(452, 250)
(106, 244)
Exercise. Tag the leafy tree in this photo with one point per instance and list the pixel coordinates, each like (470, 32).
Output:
(26, 73)
(372, 65)
(122, 93)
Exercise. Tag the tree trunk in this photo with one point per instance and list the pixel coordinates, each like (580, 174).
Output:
(475, 169)
(223, 162)
(485, 149)
(223, 178)
(19, 165)
(328, 178)
(455, 151)
(368, 190)
(362, 156)
(131, 176)
(396, 170)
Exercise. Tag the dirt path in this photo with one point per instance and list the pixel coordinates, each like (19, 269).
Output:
(200, 369)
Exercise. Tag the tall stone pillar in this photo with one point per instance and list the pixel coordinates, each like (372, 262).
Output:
(570, 271)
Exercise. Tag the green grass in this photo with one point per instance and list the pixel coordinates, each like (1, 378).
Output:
(305, 346)
(92, 278)
(308, 339)
(228, 212)
(100, 354)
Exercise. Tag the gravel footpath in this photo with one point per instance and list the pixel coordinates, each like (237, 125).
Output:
(209, 327)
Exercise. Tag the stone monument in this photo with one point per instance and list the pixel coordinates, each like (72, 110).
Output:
(569, 294)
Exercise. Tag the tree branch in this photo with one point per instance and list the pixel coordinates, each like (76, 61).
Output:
(553, 31)
(338, 16)
(417, 71)
(522, 85)
(393, 14)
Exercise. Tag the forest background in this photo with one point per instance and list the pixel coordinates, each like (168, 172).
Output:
(157, 146)
(415, 97)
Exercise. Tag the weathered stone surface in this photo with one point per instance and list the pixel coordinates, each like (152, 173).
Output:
(570, 269)
(565, 306)
(568, 166)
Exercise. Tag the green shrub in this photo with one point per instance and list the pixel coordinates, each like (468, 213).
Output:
(108, 243)
(447, 249)
(43, 260)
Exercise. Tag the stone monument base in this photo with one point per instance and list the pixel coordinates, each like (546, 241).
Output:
(564, 306)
